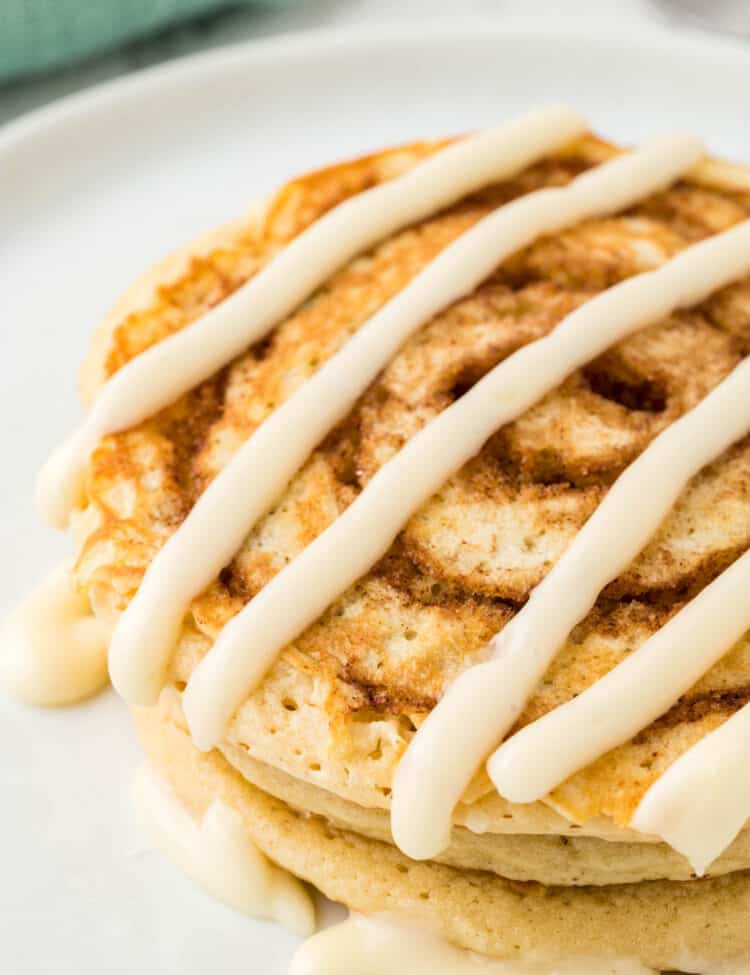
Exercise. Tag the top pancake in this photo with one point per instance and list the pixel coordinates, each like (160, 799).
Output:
(342, 702)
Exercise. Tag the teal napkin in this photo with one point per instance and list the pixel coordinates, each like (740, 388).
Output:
(38, 35)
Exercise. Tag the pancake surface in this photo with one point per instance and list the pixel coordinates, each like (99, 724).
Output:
(325, 731)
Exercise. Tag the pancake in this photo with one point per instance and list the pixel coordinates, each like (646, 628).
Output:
(562, 857)
(312, 752)
(354, 686)
(667, 925)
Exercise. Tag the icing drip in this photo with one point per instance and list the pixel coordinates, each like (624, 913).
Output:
(697, 821)
(485, 702)
(370, 946)
(298, 594)
(53, 651)
(208, 539)
(179, 363)
(217, 854)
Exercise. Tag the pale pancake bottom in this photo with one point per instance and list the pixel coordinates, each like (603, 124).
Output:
(526, 853)
(664, 923)
(549, 859)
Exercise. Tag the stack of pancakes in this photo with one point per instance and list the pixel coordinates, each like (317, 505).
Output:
(309, 759)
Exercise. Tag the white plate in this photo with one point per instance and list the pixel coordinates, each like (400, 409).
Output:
(94, 189)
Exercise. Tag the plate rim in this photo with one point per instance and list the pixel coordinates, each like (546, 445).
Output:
(175, 72)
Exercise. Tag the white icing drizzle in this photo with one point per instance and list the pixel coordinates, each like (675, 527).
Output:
(699, 821)
(483, 704)
(298, 594)
(630, 696)
(176, 365)
(383, 946)
(53, 650)
(217, 854)
(259, 472)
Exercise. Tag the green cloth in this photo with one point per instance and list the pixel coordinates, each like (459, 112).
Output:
(39, 35)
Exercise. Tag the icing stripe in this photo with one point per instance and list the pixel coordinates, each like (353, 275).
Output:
(630, 696)
(702, 801)
(303, 590)
(176, 365)
(485, 702)
(208, 539)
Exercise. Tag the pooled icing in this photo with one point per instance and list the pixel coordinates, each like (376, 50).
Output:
(384, 946)
(217, 854)
(53, 650)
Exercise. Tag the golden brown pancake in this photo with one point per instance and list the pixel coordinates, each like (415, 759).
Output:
(329, 724)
